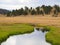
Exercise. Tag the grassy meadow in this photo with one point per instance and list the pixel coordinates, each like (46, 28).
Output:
(12, 26)
(37, 19)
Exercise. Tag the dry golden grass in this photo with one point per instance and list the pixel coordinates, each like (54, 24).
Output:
(43, 20)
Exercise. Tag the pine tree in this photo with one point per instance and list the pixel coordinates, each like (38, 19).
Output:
(33, 12)
(38, 10)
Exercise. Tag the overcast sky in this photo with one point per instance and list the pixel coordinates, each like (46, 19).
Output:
(16, 4)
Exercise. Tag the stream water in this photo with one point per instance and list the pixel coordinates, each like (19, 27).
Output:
(34, 38)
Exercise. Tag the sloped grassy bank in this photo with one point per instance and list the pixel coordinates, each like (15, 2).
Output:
(53, 36)
(7, 30)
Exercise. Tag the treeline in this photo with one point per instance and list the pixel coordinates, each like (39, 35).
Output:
(36, 11)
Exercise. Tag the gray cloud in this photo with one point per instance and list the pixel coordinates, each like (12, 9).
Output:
(16, 4)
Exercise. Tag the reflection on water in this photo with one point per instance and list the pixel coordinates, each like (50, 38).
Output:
(35, 38)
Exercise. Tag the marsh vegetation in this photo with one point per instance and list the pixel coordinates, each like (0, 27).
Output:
(34, 38)
(7, 30)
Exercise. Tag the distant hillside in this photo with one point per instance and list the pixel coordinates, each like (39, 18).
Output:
(4, 11)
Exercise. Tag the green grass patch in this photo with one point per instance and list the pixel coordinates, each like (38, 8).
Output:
(7, 30)
(53, 36)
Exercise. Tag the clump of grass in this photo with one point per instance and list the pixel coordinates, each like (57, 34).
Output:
(46, 28)
(7, 30)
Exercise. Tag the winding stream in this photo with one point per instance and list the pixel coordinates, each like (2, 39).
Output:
(34, 38)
